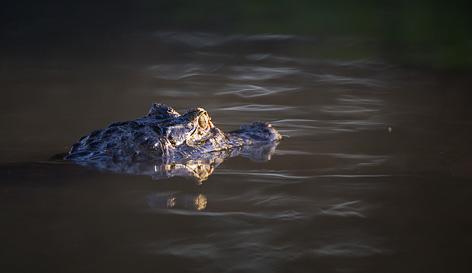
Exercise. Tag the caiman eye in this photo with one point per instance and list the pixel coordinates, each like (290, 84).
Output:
(203, 121)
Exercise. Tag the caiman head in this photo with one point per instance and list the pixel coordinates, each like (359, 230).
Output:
(192, 128)
(195, 131)
(187, 134)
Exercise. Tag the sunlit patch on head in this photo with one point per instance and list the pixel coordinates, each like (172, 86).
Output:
(202, 125)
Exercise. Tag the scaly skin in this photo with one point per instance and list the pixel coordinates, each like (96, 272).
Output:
(164, 143)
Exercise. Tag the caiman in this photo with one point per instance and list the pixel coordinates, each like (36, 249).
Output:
(165, 143)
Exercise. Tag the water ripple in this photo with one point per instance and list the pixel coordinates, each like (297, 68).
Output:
(356, 100)
(259, 73)
(346, 109)
(182, 71)
(269, 37)
(204, 39)
(345, 209)
(343, 80)
(353, 175)
(359, 64)
(192, 39)
(250, 90)
(272, 174)
(178, 93)
(287, 215)
(301, 127)
(257, 108)
(291, 152)
(348, 250)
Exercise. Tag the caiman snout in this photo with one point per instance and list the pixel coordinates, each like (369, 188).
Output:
(259, 131)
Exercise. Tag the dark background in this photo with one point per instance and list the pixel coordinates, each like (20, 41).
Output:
(433, 34)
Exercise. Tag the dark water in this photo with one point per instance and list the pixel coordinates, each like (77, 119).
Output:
(374, 173)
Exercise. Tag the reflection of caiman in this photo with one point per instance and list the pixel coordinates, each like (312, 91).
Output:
(165, 144)
(177, 200)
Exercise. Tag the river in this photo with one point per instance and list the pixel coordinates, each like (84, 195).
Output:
(373, 174)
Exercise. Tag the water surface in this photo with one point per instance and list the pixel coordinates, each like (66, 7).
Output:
(373, 174)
